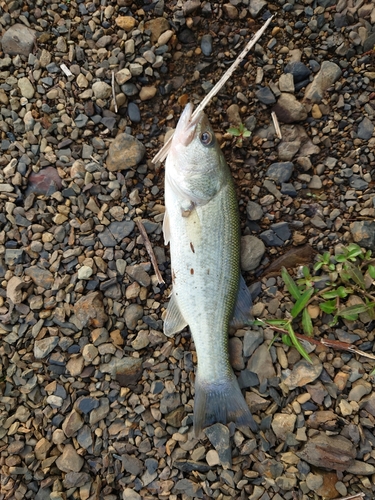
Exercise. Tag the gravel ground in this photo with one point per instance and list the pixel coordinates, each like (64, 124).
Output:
(95, 402)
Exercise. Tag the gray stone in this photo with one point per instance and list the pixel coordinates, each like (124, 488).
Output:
(252, 251)
(256, 6)
(26, 87)
(303, 373)
(18, 39)
(219, 437)
(133, 313)
(281, 171)
(365, 129)
(265, 96)
(45, 346)
(101, 90)
(329, 73)
(132, 464)
(254, 211)
(261, 363)
(252, 340)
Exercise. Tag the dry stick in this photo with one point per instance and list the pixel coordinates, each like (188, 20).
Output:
(113, 91)
(334, 344)
(276, 125)
(162, 154)
(149, 249)
(357, 496)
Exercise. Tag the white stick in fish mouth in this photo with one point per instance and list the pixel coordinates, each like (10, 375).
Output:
(202, 225)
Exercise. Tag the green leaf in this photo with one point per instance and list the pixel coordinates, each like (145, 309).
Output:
(355, 274)
(328, 307)
(287, 340)
(341, 258)
(332, 294)
(290, 284)
(234, 131)
(371, 271)
(246, 133)
(306, 272)
(297, 344)
(307, 323)
(276, 322)
(353, 311)
(318, 265)
(334, 321)
(372, 373)
(343, 292)
(301, 302)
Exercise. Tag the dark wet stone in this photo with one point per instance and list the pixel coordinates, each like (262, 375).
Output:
(187, 36)
(299, 71)
(219, 436)
(265, 95)
(356, 182)
(47, 181)
(129, 371)
(271, 239)
(191, 465)
(282, 230)
(134, 112)
(86, 404)
(248, 379)
(280, 171)
(206, 44)
(288, 189)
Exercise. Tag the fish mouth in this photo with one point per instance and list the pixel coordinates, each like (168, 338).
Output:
(186, 126)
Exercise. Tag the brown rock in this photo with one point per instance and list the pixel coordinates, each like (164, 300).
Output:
(69, 461)
(89, 310)
(18, 39)
(230, 10)
(328, 490)
(129, 371)
(289, 110)
(125, 152)
(72, 423)
(328, 452)
(14, 289)
(126, 23)
(41, 277)
(41, 449)
(174, 418)
(325, 420)
(157, 27)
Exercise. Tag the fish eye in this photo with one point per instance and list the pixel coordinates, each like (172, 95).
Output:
(206, 138)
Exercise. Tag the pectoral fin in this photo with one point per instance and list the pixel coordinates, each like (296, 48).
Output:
(242, 311)
(166, 228)
(174, 321)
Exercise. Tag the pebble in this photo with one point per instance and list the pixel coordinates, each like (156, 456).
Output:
(280, 172)
(18, 40)
(117, 159)
(265, 96)
(69, 461)
(289, 110)
(261, 364)
(252, 251)
(218, 435)
(303, 373)
(329, 73)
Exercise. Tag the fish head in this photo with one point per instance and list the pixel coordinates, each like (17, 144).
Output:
(195, 166)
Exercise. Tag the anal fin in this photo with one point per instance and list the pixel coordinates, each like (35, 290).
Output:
(242, 311)
(174, 321)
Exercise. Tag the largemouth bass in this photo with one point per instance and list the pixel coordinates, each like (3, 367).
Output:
(202, 225)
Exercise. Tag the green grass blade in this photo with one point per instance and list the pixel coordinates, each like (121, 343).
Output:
(301, 302)
(290, 284)
(353, 311)
(297, 344)
(307, 323)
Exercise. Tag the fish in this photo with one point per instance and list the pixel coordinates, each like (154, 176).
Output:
(202, 226)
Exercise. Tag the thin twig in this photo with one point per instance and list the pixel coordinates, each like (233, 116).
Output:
(163, 153)
(276, 125)
(357, 496)
(334, 344)
(114, 92)
(149, 249)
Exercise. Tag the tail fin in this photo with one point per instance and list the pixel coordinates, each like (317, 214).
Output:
(220, 402)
